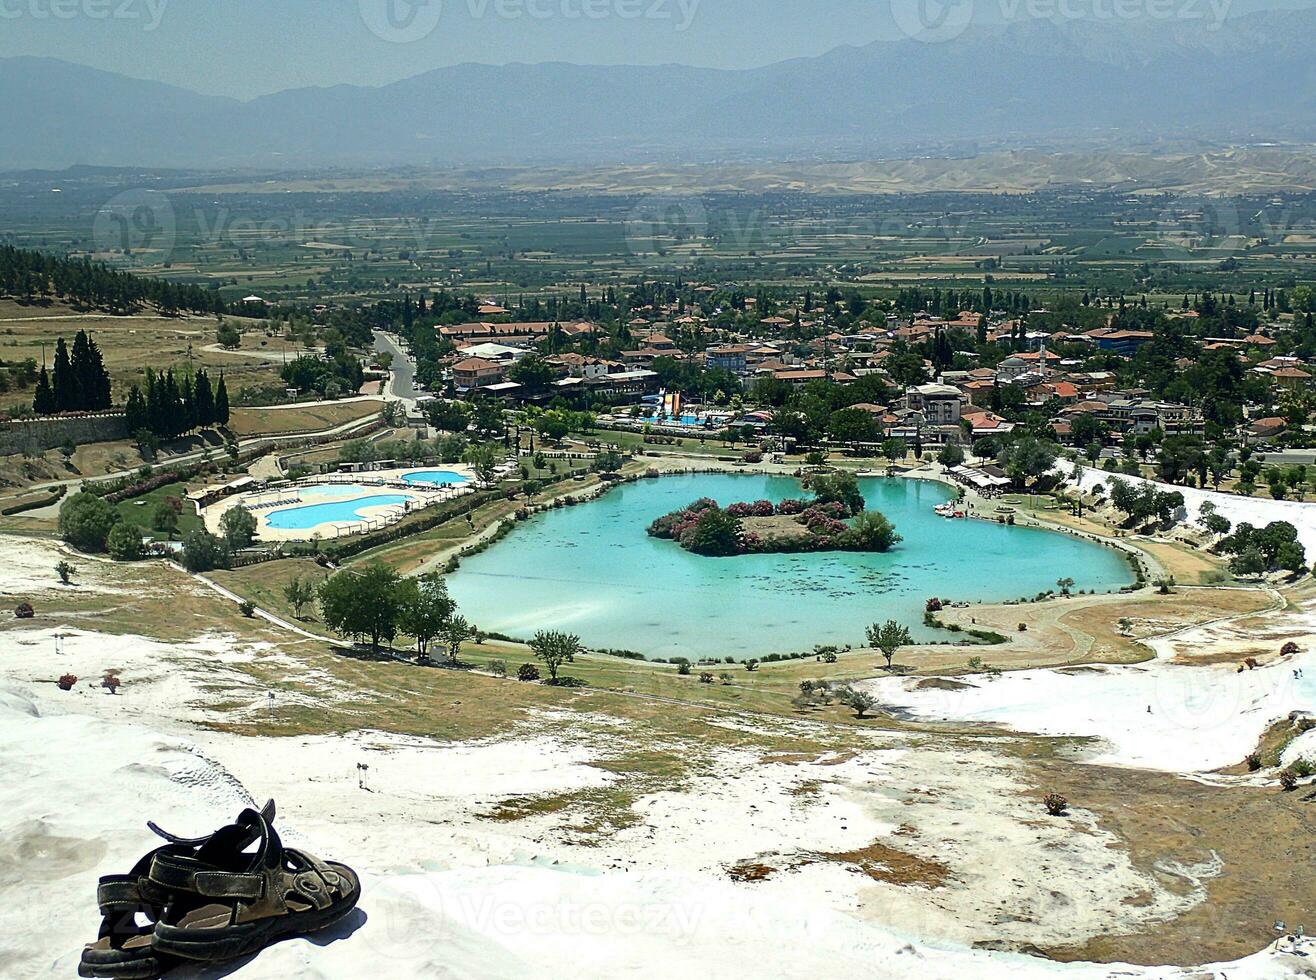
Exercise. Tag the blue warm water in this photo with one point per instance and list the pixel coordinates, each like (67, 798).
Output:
(434, 478)
(592, 570)
(340, 511)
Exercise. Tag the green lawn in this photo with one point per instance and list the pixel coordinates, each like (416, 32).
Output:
(141, 511)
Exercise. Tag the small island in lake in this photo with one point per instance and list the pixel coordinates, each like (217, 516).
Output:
(835, 520)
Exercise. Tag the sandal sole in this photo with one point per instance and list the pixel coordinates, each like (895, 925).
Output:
(173, 942)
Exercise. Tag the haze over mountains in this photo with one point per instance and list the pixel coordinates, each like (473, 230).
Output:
(1083, 83)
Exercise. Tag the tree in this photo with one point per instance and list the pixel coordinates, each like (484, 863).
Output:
(447, 416)
(62, 378)
(852, 425)
(1065, 585)
(299, 593)
(362, 603)
(533, 373)
(841, 487)
(238, 525)
(872, 531)
(715, 534)
(608, 461)
(894, 449)
(43, 401)
(124, 542)
(203, 552)
(424, 610)
(484, 461)
(85, 521)
(221, 403)
(861, 701)
(1027, 458)
(888, 638)
(165, 518)
(228, 336)
(65, 572)
(456, 631)
(951, 456)
(555, 649)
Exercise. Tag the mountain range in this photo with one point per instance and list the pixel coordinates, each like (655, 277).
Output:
(1033, 84)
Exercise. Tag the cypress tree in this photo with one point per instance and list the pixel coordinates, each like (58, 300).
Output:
(135, 411)
(204, 398)
(43, 402)
(221, 402)
(63, 381)
(100, 391)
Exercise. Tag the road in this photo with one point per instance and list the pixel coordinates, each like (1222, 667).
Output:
(402, 381)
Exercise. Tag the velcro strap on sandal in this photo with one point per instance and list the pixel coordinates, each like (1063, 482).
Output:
(174, 873)
(223, 884)
(118, 894)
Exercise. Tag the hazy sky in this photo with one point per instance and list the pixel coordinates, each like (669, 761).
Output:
(246, 48)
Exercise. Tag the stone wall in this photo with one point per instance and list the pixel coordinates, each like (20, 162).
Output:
(38, 435)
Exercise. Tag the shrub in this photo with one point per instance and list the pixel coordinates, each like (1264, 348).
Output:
(498, 668)
(527, 673)
(247, 608)
(1303, 768)
(1023, 627)
(67, 681)
(933, 605)
(1056, 805)
(1254, 762)
(24, 610)
(111, 683)
(725, 679)
(65, 572)
(1288, 780)
(830, 657)
(1289, 649)
(751, 665)
(683, 667)
(705, 677)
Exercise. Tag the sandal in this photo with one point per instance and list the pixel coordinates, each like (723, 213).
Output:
(123, 948)
(231, 904)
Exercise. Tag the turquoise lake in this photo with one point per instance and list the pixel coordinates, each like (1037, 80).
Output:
(592, 570)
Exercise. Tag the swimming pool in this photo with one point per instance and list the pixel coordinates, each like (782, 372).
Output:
(334, 512)
(434, 478)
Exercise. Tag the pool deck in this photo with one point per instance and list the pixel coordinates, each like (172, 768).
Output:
(307, 493)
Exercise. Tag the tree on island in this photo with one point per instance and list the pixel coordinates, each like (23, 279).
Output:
(555, 649)
(840, 487)
(888, 638)
(716, 534)
(873, 532)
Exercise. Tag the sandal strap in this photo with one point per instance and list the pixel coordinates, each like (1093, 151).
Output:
(222, 884)
(118, 894)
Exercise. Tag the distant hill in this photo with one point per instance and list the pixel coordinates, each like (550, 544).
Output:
(1082, 84)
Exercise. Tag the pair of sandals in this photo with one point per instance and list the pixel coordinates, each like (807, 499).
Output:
(210, 899)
